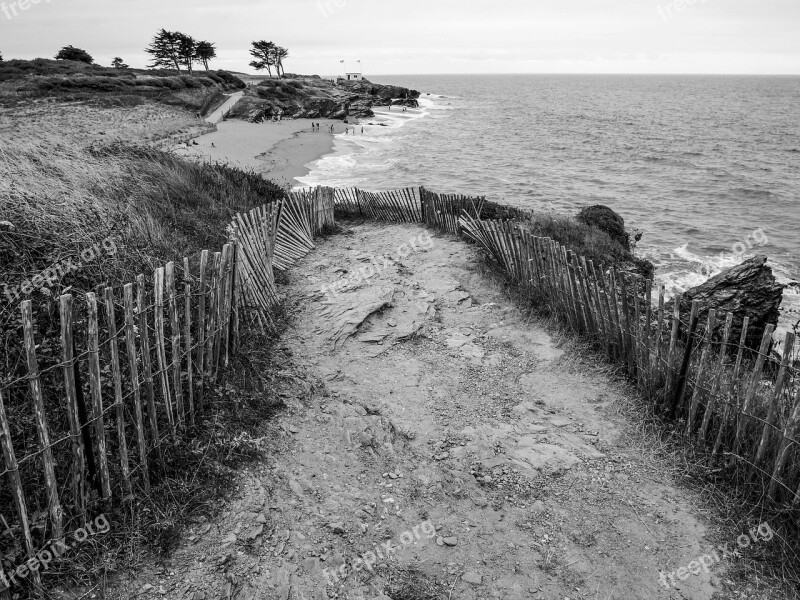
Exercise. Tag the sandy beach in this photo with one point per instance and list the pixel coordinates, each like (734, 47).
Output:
(279, 151)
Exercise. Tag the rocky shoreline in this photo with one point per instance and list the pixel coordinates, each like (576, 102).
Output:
(317, 98)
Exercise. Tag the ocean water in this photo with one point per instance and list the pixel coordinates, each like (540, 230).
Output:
(706, 167)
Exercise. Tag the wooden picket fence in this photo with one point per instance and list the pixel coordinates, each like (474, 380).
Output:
(149, 352)
(742, 404)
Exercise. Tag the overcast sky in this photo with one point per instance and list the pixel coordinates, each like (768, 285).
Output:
(430, 36)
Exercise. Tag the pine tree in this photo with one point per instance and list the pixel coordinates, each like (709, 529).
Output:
(205, 52)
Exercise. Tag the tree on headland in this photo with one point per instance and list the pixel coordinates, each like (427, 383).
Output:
(118, 64)
(187, 50)
(280, 54)
(71, 53)
(264, 54)
(165, 50)
(205, 51)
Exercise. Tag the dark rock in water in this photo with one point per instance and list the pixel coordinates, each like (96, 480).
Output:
(608, 221)
(747, 290)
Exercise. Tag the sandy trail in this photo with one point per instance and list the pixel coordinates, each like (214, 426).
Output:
(434, 404)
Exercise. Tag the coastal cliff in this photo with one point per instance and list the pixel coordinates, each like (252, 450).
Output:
(316, 98)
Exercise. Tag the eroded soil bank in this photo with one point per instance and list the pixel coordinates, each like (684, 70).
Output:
(446, 442)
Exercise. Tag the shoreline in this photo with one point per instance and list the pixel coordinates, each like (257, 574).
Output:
(280, 151)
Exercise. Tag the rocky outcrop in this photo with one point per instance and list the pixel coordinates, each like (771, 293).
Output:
(315, 98)
(608, 221)
(748, 289)
(383, 95)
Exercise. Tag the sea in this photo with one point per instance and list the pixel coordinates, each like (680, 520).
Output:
(707, 168)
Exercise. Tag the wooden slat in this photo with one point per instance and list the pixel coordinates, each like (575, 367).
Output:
(187, 336)
(698, 386)
(70, 389)
(97, 395)
(230, 289)
(680, 385)
(201, 328)
(53, 502)
(627, 325)
(10, 460)
(753, 382)
(788, 346)
(211, 332)
(656, 369)
(161, 345)
(637, 332)
(175, 329)
(133, 369)
(732, 405)
(648, 326)
(221, 303)
(673, 343)
(791, 437)
(118, 402)
(147, 365)
(717, 378)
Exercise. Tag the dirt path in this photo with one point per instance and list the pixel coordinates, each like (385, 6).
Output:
(448, 444)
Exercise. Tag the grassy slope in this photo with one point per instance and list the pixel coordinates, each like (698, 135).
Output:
(64, 190)
(23, 79)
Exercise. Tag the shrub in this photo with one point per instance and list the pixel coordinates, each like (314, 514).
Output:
(606, 220)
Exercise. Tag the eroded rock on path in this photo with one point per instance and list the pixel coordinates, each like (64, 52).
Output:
(449, 444)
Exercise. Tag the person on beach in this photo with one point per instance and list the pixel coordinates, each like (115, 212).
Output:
(362, 131)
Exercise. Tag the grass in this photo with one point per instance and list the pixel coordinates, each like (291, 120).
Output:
(583, 238)
(40, 78)
(59, 198)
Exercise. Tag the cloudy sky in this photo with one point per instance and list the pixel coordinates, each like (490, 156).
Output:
(431, 36)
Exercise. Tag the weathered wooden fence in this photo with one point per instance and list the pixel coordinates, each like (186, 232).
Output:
(742, 403)
(131, 368)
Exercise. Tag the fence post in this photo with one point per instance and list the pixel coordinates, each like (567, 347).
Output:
(680, 391)
(790, 435)
(175, 330)
(712, 318)
(161, 349)
(788, 346)
(133, 368)
(97, 397)
(201, 328)
(718, 370)
(734, 387)
(68, 358)
(16, 485)
(54, 504)
(752, 388)
(147, 365)
(118, 403)
(187, 336)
